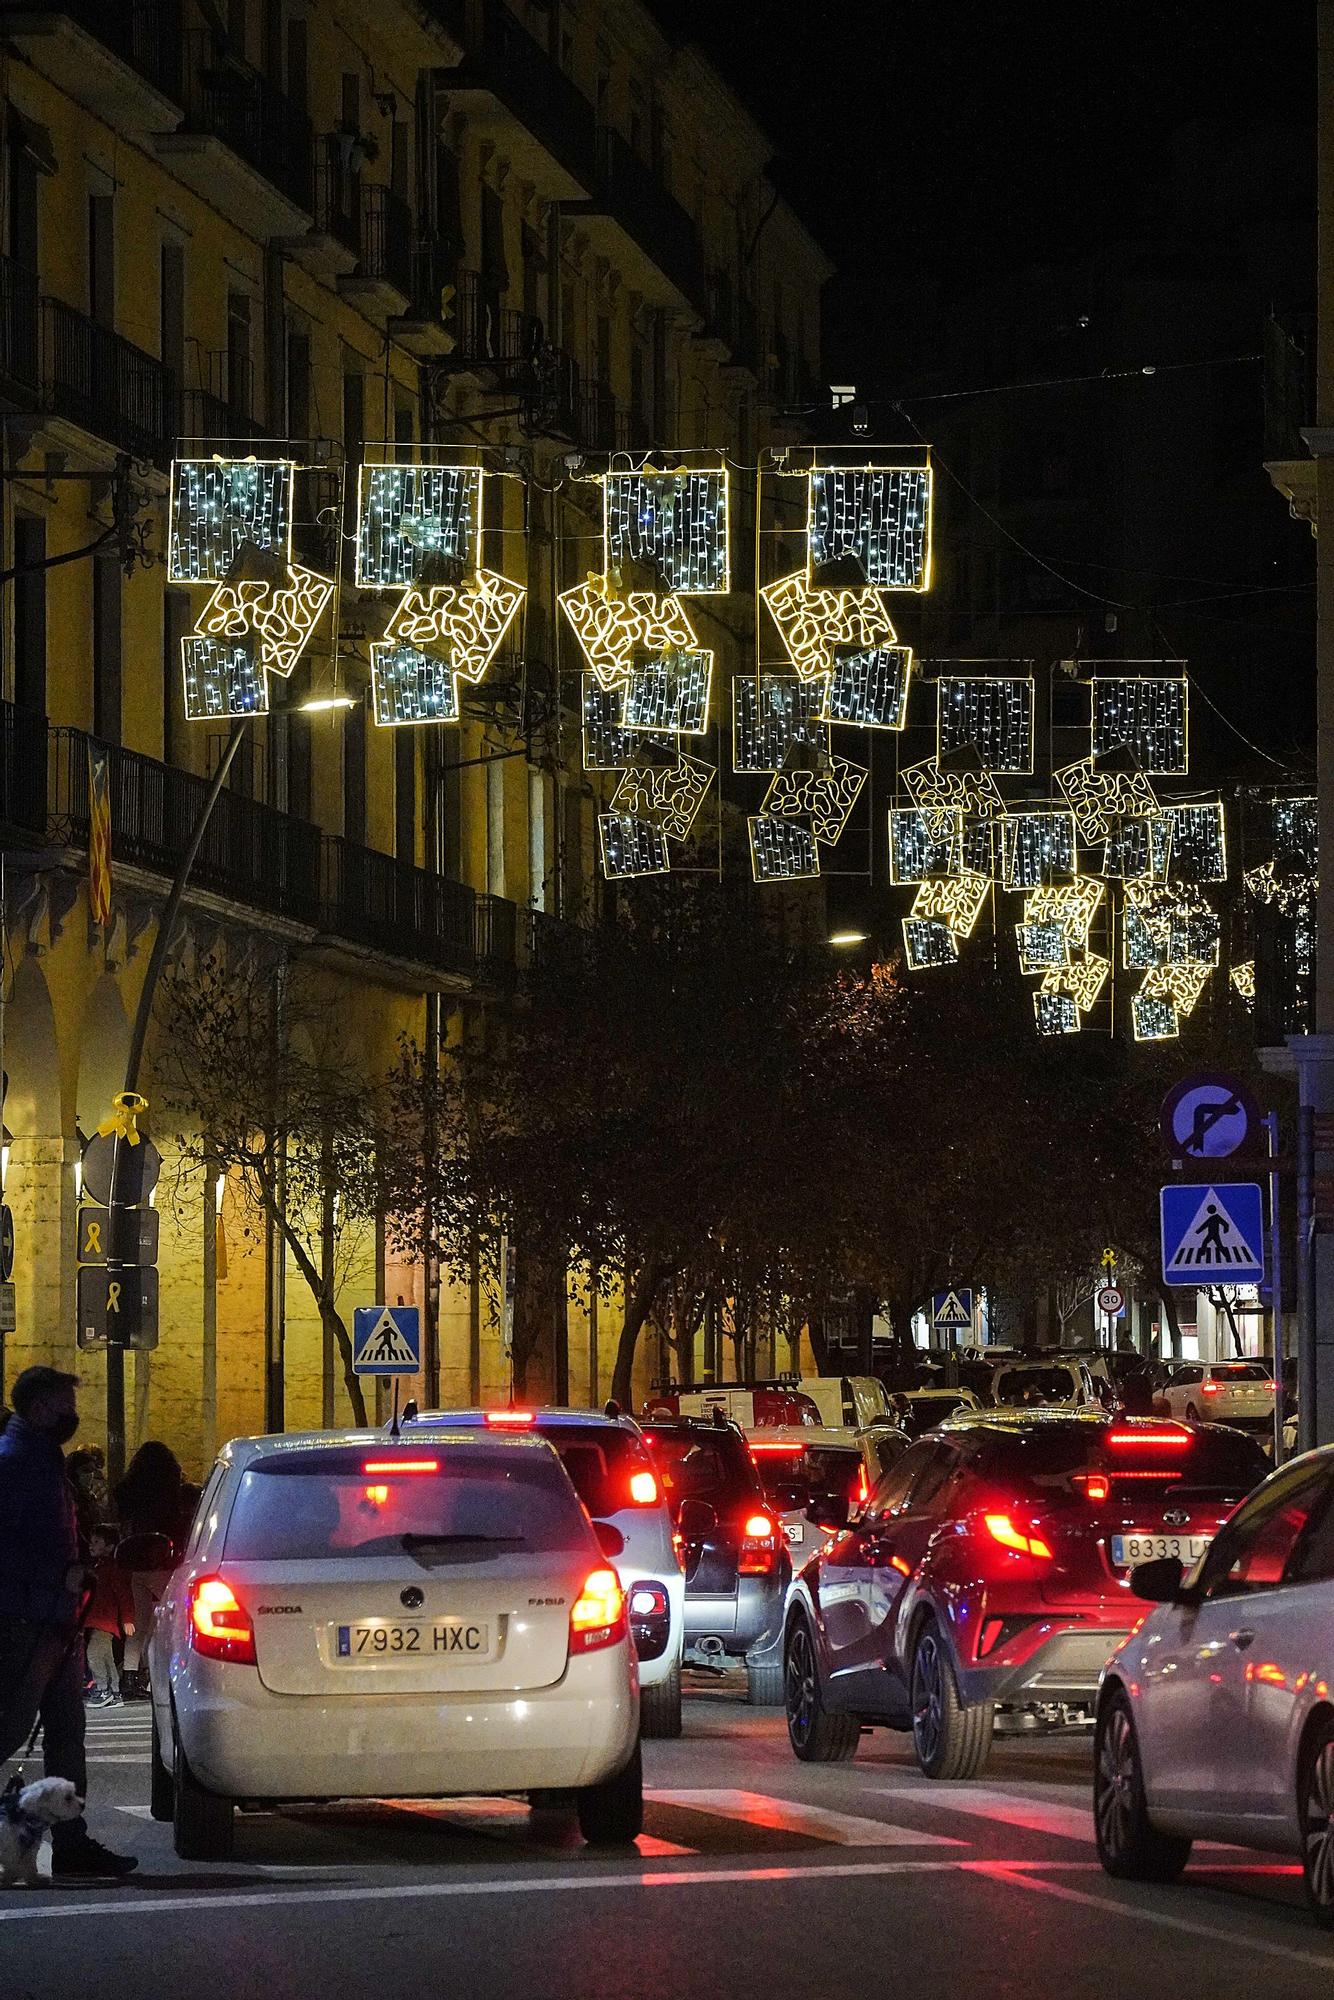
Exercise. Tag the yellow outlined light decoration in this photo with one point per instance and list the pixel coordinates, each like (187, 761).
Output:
(928, 943)
(869, 689)
(1099, 798)
(631, 847)
(221, 506)
(613, 630)
(463, 622)
(222, 677)
(955, 900)
(1083, 979)
(283, 618)
(1037, 847)
(1243, 979)
(669, 796)
(1055, 1013)
(1199, 841)
(1154, 1020)
(670, 696)
(772, 717)
(1146, 715)
(411, 516)
(877, 515)
(814, 623)
(919, 849)
(993, 714)
(973, 793)
(782, 850)
(1044, 946)
(411, 687)
(676, 522)
(1181, 984)
(1074, 904)
(825, 798)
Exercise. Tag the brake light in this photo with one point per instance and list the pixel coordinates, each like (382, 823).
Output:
(1003, 1530)
(513, 1420)
(861, 1491)
(758, 1554)
(220, 1628)
(1174, 1437)
(1209, 1388)
(1095, 1486)
(757, 1526)
(377, 1495)
(649, 1600)
(401, 1465)
(1272, 1388)
(757, 1449)
(597, 1616)
(643, 1489)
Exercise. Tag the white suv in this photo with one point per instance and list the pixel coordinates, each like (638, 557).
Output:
(1222, 1392)
(360, 1617)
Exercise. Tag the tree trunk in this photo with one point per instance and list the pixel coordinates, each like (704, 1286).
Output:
(337, 1334)
(1169, 1305)
(638, 1305)
(815, 1326)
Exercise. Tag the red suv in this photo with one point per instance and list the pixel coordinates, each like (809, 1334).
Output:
(990, 1573)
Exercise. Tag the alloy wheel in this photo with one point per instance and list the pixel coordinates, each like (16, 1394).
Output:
(1114, 1801)
(928, 1696)
(800, 1685)
(1318, 1827)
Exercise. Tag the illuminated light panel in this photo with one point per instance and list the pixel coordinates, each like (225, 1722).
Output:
(675, 521)
(880, 515)
(933, 791)
(869, 689)
(463, 622)
(220, 506)
(773, 715)
(981, 848)
(927, 943)
(1083, 980)
(667, 796)
(1243, 978)
(1296, 831)
(1036, 847)
(607, 744)
(918, 849)
(1154, 1020)
(282, 619)
(1138, 847)
(1145, 715)
(957, 901)
(1074, 904)
(826, 798)
(1098, 798)
(781, 850)
(990, 713)
(612, 630)
(817, 625)
(1182, 985)
(1055, 1013)
(1199, 841)
(1293, 890)
(631, 847)
(670, 695)
(409, 686)
(222, 677)
(409, 516)
(1043, 946)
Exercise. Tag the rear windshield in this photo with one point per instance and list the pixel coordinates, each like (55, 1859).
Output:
(1035, 1385)
(1239, 1371)
(925, 1412)
(701, 1468)
(465, 1508)
(791, 1480)
(600, 1461)
(1227, 1461)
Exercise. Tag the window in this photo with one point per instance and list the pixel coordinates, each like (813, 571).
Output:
(102, 259)
(176, 622)
(601, 1462)
(896, 1485)
(240, 369)
(537, 840)
(273, 41)
(495, 827)
(106, 648)
(1185, 1378)
(354, 774)
(298, 65)
(935, 1477)
(22, 205)
(171, 310)
(1313, 1559)
(1255, 1547)
(297, 383)
(1240, 1371)
(405, 795)
(30, 613)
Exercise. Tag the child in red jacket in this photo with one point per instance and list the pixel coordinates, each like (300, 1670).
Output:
(110, 1616)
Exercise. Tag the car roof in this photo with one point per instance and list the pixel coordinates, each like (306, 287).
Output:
(1019, 1418)
(546, 1418)
(250, 1450)
(822, 1437)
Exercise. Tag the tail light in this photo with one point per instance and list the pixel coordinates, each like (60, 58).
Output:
(1209, 1388)
(861, 1488)
(597, 1616)
(1095, 1486)
(1003, 1529)
(401, 1465)
(643, 1489)
(220, 1628)
(1153, 1437)
(759, 1546)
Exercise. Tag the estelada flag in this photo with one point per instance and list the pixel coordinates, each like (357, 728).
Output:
(99, 840)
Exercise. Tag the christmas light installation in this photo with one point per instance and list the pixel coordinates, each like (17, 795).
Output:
(675, 522)
(1055, 1013)
(1243, 979)
(776, 717)
(614, 631)
(1037, 847)
(1082, 979)
(1199, 841)
(1074, 904)
(816, 625)
(411, 518)
(1154, 1020)
(928, 944)
(935, 791)
(282, 617)
(921, 845)
(957, 900)
(992, 714)
(1180, 984)
(409, 686)
(1138, 847)
(1146, 715)
(824, 798)
(607, 744)
(1098, 799)
(220, 507)
(782, 850)
(877, 516)
(868, 689)
(631, 847)
(669, 796)
(1043, 946)
(463, 622)
(670, 695)
(223, 679)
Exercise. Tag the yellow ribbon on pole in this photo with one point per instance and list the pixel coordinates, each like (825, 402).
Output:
(126, 1107)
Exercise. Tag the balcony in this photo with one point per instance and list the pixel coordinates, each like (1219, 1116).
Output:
(22, 773)
(381, 284)
(643, 228)
(243, 146)
(20, 329)
(604, 425)
(496, 935)
(515, 93)
(1289, 408)
(107, 386)
(120, 59)
(395, 909)
(331, 246)
(208, 420)
(429, 326)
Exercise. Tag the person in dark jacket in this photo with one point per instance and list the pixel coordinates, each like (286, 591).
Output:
(154, 1504)
(41, 1590)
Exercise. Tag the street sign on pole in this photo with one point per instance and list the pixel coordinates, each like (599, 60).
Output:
(136, 1167)
(1208, 1116)
(952, 1311)
(386, 1340)
(1212, 1232)
(117, 1235)
(117, 1305)
(8, 1308)
(1111, 1301)
(6, 1243)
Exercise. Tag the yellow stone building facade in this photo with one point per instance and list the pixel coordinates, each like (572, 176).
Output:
(333, 231)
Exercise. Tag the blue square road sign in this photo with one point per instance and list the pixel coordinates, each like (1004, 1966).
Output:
(1212, 1233)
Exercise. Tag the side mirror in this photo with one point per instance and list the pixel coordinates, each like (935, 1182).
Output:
(829, 1510)
(1158, 1582)
(610, 1539)
(696, 1520)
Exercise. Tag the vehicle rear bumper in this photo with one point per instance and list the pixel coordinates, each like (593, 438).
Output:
(744, 1621)
(247, 1743)
(1064, 1667)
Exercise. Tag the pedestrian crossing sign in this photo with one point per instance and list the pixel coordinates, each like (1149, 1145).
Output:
(1212, 1233)
(952, 1311)
(386, 1340)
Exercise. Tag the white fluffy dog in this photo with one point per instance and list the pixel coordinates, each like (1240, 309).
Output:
(26, 1818)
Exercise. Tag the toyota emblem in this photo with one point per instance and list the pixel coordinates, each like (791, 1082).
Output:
(413, 1599)
(1175, 1517)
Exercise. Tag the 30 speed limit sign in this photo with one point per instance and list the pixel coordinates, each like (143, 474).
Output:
(1111, 1299)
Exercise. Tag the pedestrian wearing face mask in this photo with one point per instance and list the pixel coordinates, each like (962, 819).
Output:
(41, 1590)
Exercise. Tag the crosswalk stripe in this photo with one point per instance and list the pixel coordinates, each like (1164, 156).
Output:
(1060, 1822)
(785, 1816)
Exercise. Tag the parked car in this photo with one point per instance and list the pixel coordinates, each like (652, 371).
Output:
(1215, 1719)
(1048, 1382)
(613, 1473)
(362, 1617)
(750, 1406)
(799, 1467)
(848, 1402)
(1222, 1392)
(988, 1574)
(734, 1552)
(921, 1410)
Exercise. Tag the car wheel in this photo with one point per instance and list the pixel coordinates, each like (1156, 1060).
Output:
(1129, 1845)
(612, 1814)
(660, 1706)
(1315, 1800)
(816, 1736)
(161, 1790)
(765, 1686)
(1192, 1414)
(951, 1740)
(202, 1821)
